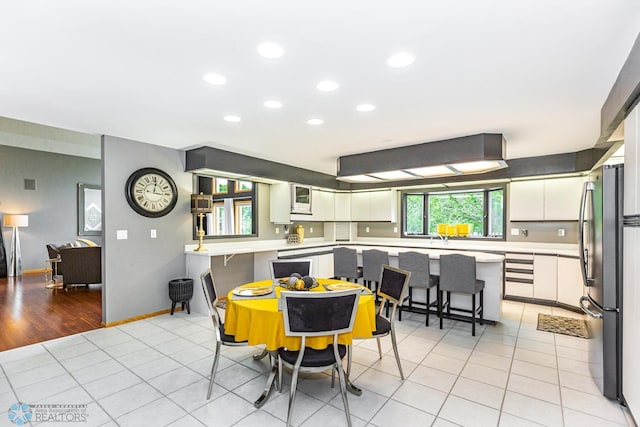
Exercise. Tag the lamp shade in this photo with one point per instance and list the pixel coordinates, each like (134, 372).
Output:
(201, 203)
(10, 220)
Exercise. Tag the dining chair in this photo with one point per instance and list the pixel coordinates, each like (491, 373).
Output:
(345, 264)
(211, 296)
(312, 314)
(372, 262)
(418, 264)
(458, 275)
(392, 289)
(280, 268)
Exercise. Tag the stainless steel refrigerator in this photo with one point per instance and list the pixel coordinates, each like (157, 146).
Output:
(601, 221)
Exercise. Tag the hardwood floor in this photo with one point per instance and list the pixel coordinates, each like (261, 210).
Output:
(30, 313)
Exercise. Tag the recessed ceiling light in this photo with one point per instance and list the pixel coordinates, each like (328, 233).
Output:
(315, 122)
(273, 104)
(270, 50)
(214, 79)
(365, 107)
(400, 60)
(327, 86)
(232, 119)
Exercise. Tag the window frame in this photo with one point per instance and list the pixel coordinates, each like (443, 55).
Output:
(244, 196)
(471, 189)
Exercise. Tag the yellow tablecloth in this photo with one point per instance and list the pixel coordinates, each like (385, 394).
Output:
(259, 322)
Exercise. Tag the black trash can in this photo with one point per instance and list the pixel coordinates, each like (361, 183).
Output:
(180, 291)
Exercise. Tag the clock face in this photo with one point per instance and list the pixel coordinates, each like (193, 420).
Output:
(151, 192)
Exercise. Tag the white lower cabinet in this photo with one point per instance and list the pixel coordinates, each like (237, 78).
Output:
(569, 281)
(545, 277)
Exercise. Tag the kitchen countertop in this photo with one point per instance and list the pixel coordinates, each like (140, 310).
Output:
(228, 248)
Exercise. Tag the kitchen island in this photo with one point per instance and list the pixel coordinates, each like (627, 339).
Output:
(489, 265)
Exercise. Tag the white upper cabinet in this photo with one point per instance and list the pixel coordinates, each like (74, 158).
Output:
(342, 207)
(360, 206)
(379, 205)
(280, 203)
(383, 205)
(322, 205)
(562, 199)
(526, 200)
(545, 199)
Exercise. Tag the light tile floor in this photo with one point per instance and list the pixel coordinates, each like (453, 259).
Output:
(155, 372)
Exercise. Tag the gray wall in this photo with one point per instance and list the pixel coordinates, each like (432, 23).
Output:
(136, 271)
(52, 207)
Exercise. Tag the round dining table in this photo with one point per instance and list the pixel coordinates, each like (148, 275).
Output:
(258, 319)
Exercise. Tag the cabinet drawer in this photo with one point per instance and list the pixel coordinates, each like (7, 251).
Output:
(517, 289)
(519, 277)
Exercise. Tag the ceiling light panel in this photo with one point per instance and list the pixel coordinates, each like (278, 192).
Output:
(479, 167)
(358, 178)
(327, 86)
(315, 122)
(270, 50)
(393, 175)
(214, 79)
(232, 119)
(432, 171)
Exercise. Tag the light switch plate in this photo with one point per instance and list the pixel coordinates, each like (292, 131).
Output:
(121, 234)
(154, 233)
(277, 230)
(366, 229)
(515, 231)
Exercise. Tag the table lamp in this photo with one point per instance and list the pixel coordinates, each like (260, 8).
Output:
(15, 257)
(201, 204)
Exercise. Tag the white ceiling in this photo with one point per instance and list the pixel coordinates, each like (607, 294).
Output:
(537, 71)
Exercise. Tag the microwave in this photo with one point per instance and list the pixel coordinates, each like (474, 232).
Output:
(300, 199)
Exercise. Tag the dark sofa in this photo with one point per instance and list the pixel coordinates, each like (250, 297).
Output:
(81, 265)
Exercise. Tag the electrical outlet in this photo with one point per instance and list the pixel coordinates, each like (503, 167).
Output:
(395, 229)
(154, 233)
(366, 229)
(561, 232)
(310, 230)
(121, 234)
(277, 230)
(515, 231)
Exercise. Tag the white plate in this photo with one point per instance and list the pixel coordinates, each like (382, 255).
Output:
(252, 292)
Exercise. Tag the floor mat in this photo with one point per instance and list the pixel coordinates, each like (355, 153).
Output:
(562, 325)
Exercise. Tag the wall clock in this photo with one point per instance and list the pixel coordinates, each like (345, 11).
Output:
(151, 192)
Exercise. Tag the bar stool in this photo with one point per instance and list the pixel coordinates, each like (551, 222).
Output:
(372, 262)
(345, 264)
(421, 277)
(458, 275)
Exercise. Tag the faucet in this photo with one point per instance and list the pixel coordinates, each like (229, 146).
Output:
(445, 239)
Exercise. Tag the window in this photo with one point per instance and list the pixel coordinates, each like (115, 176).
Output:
(234, 207)
(482, 209)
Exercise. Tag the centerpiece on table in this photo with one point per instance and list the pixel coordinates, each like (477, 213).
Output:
(296, 282)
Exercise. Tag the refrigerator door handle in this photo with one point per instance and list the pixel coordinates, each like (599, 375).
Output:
(582, 251)
(585, 298)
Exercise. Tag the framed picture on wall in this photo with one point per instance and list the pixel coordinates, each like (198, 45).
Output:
(89, 210)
